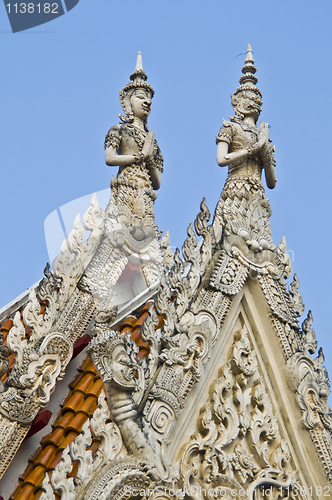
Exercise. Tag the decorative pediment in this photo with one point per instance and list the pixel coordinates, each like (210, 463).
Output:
(227, 400)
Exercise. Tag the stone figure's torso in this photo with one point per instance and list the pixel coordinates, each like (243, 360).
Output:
(239, 135)
(132, 189)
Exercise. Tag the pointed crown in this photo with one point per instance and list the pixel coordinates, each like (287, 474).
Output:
(138, 78)
(138, 81)
(248, 80)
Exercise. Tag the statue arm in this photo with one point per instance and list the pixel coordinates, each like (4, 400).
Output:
(154, 160)
(262, 145)
(224, 139)
(112, 159)
(155, 176)
(267, 155)
(224, 158)
(112, 145)
(269, 164)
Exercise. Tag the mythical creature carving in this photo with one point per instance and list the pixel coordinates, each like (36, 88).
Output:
(114, 357)
(242, 216)
(146, 396)
(130, 229)
(40, 361)
(133, 148)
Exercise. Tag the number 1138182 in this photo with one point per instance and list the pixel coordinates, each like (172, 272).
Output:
(32, 8)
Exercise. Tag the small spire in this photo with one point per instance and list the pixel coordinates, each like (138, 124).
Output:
(248, 78)
(249, 56)
(139, 64)
(139, 74)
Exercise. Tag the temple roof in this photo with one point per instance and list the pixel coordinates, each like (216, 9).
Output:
(200, 370)
(78, 406)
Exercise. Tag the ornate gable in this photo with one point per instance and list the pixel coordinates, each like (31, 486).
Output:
(217, 394)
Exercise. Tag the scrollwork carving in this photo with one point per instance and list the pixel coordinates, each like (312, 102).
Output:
(296, 296)
(238, 435)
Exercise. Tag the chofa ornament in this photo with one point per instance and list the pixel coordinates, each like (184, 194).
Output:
(133, 148)
(242, 217)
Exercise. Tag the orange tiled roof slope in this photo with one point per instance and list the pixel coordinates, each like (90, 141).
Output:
(78, 406)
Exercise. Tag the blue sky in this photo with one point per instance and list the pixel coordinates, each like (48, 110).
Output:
(60, 84)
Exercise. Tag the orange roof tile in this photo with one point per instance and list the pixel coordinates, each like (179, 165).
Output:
(31, 466)
(91, 402)
(26, 493)
(46, 456)
(56, 460)
(54, 437)
(136, 335)
(96, 388)
(86, 382)
(141, 319)
(74, 400)
(64, 418)
(6, 326)
(129, 322)
(78, 406)
(71, 435)
(17, 490)
(36, 475)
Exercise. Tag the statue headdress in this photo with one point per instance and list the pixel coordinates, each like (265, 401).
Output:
(248, 80)
(137, 81)
(247, 84)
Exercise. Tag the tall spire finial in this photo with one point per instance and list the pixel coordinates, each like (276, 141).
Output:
(249, 56)
(248, 80)
(139, 63)
(249, 70)
(139, 73)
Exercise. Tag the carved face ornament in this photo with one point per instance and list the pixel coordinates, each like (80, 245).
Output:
(247, 104)
(140, 102)
(122, 368)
